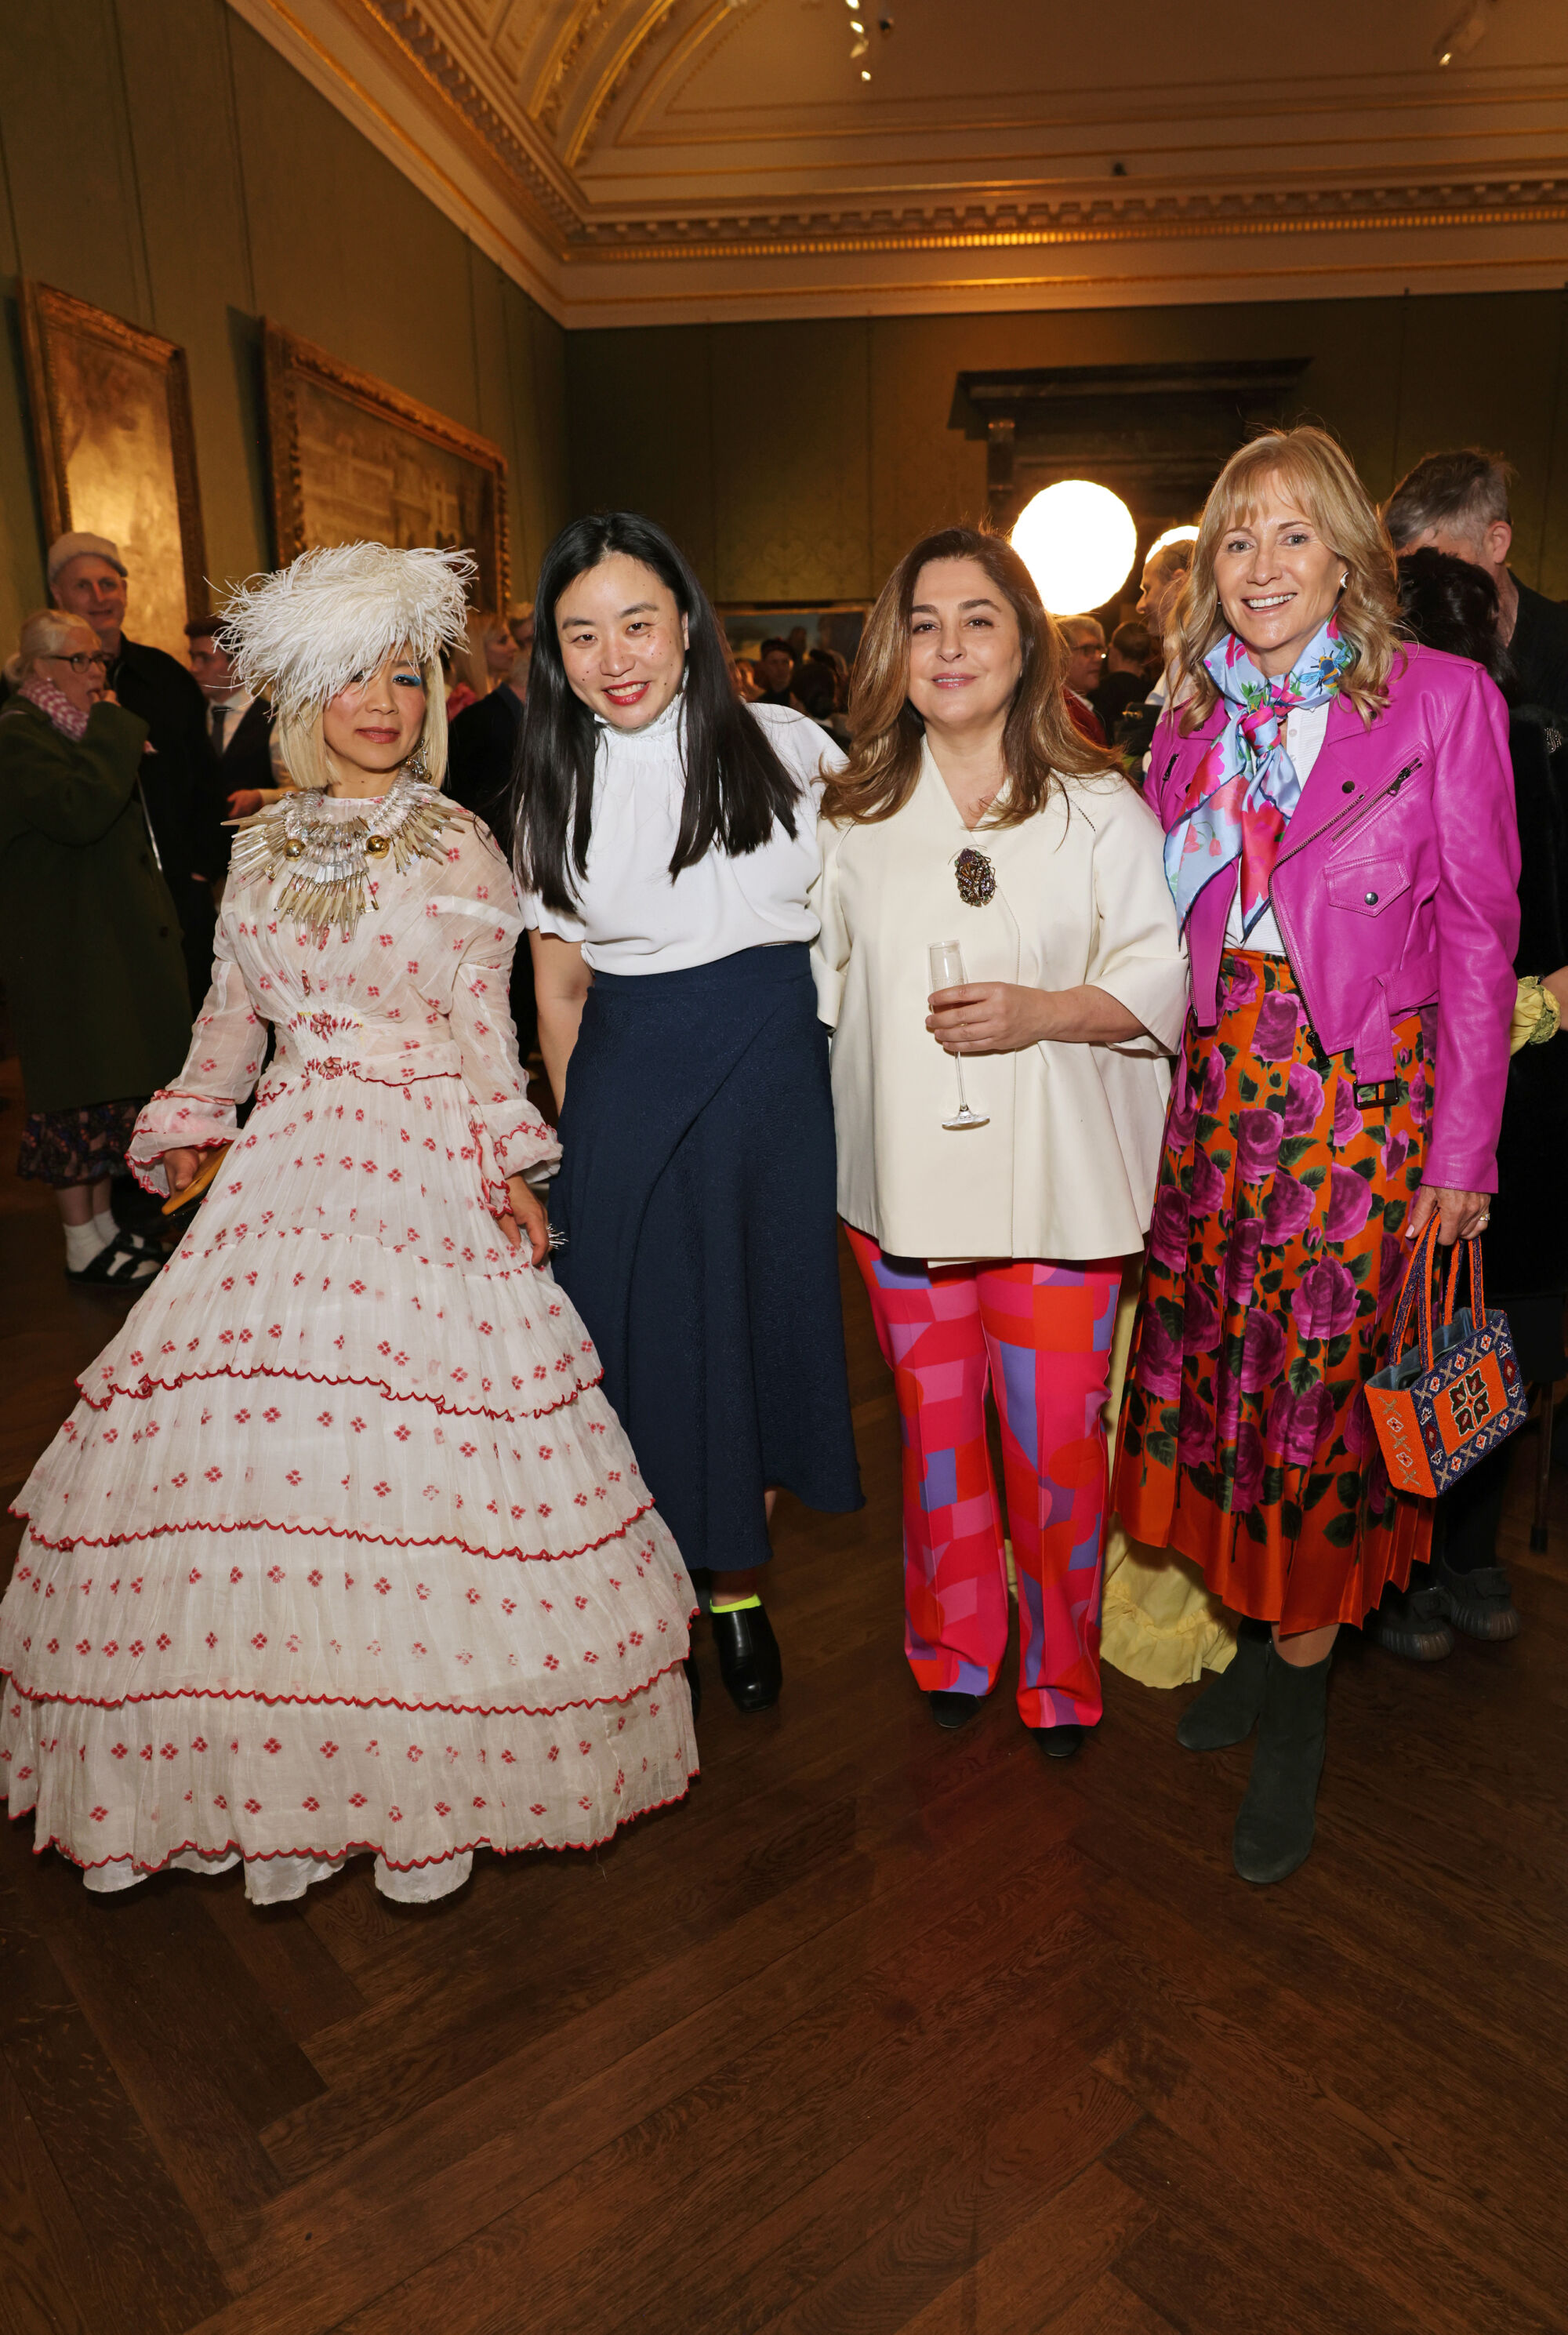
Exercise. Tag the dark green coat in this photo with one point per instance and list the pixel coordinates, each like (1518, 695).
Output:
(90, 951)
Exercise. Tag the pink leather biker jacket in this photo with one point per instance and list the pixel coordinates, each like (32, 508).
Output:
(1396, 886)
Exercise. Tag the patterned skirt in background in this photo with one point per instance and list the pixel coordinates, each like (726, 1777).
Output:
(78, 1146)
(1275, 1257)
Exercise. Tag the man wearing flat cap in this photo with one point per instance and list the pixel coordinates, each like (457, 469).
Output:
(179, 778)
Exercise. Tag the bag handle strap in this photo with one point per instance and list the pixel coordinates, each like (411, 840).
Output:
(1415, 1297)
(1463, 1251)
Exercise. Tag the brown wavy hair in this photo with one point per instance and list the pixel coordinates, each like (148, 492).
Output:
(1314, 471)
(1040, 741)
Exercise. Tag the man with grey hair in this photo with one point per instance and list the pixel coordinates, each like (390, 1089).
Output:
(1459, 503)
(179, 777)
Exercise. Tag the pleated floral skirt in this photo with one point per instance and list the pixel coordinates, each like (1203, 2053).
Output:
(1276, 1259)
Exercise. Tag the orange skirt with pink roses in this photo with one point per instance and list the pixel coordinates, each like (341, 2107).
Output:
(1275, 1256)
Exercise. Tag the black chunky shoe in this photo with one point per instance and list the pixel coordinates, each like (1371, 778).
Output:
(1412, 1623)
(951, 1710)
(1063, 1742)
(1480, 1602)
(1227, 1710)
(1278, 1817)
(749, 1661)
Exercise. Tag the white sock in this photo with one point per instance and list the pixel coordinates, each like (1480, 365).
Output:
(107, 1229)
(83, 1244)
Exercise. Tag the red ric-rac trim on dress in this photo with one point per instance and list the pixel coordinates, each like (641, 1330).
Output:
(41, 1697)
(148, 1386)
(335, 1532)
(354, 1849)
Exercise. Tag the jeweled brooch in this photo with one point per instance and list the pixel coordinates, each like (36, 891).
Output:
(976, 878)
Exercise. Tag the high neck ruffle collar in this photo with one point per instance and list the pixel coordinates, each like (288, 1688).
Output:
(660, 738)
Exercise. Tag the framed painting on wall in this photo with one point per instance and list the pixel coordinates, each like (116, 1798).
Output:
(110, 410)
(352, 459)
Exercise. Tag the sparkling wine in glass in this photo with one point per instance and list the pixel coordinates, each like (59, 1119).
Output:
(947, 972)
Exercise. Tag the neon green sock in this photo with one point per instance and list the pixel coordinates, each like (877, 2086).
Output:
(734, 1604)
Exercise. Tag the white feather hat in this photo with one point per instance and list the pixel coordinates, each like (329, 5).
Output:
(304, 632)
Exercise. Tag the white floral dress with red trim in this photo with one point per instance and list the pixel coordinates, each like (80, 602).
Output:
(344, 1549)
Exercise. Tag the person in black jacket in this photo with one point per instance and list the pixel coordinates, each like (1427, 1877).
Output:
(1458, 503)
(238, 729)
(87, 578)
(1452, 604)
(481, 753)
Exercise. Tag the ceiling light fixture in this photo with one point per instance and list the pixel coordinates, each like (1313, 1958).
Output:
(1077, 540)
(1466, 32)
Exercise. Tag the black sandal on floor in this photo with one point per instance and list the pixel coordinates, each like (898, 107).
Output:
(127, 1263)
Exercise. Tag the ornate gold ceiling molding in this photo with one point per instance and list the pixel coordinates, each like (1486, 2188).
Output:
(550, 89)
(1176, 218)
(417, 54)
(622, 63)
(469, 74)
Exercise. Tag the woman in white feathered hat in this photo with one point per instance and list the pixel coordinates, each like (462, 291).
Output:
(344, 1549)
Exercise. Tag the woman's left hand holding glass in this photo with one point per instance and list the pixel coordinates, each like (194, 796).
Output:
(988, 1017)
(528, 1218)
(1003, 1017)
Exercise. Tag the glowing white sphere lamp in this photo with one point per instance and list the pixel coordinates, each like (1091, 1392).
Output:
(1078, 541)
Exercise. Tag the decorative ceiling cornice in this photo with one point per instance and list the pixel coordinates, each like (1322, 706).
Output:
(1141, 219)
(527, 92)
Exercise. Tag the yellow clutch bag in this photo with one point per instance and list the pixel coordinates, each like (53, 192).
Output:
(199, 1182)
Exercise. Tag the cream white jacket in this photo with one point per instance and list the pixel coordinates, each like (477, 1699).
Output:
(1066, 1167)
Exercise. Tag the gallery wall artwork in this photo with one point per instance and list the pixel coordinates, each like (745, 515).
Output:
(352, 459)
(110, 410)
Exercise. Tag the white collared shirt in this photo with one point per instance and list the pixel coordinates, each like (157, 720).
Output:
(632, 916)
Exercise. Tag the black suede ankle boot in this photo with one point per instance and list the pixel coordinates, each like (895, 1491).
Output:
(1227, 1710)
(1278, 1817)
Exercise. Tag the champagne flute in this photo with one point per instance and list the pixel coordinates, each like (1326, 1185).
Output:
(947, 972)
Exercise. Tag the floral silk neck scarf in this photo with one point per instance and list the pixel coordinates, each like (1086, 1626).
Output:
(1245, 788)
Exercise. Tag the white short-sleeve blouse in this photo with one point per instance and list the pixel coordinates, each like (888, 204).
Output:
(632, 916)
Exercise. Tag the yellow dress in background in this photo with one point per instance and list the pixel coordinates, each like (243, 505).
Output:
(1158, 1623)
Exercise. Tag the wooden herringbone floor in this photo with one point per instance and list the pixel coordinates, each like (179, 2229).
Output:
(884, 2030)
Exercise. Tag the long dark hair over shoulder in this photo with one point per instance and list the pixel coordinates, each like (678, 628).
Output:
(736, 786)
(1040, 739)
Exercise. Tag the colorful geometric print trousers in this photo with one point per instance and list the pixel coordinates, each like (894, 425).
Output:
(1040, 1335)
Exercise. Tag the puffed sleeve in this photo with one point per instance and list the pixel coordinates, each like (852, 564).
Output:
(830, 949)
(509, 1136)
(198, 1113)
(1139, 956)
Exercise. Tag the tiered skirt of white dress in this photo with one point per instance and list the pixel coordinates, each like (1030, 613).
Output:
(343, 1549)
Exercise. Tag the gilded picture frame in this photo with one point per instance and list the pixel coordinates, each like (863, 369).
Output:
(352, 459)
(116, 455)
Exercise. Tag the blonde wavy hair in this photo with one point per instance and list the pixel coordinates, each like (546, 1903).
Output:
(1310, 470)
(1041, 743)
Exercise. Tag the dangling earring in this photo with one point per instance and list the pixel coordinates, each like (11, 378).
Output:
(1345, 581)
(416, 766)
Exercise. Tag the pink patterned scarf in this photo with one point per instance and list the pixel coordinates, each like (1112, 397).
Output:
(69, 720)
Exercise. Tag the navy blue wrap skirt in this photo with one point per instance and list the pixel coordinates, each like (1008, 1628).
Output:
(696, 1192)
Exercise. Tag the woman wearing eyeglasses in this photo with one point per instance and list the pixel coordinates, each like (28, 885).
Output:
(90, 950)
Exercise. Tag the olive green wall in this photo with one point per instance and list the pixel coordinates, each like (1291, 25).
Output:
(160, 160)
(798, 460)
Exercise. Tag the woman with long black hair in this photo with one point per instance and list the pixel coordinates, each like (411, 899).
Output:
(666, 839)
